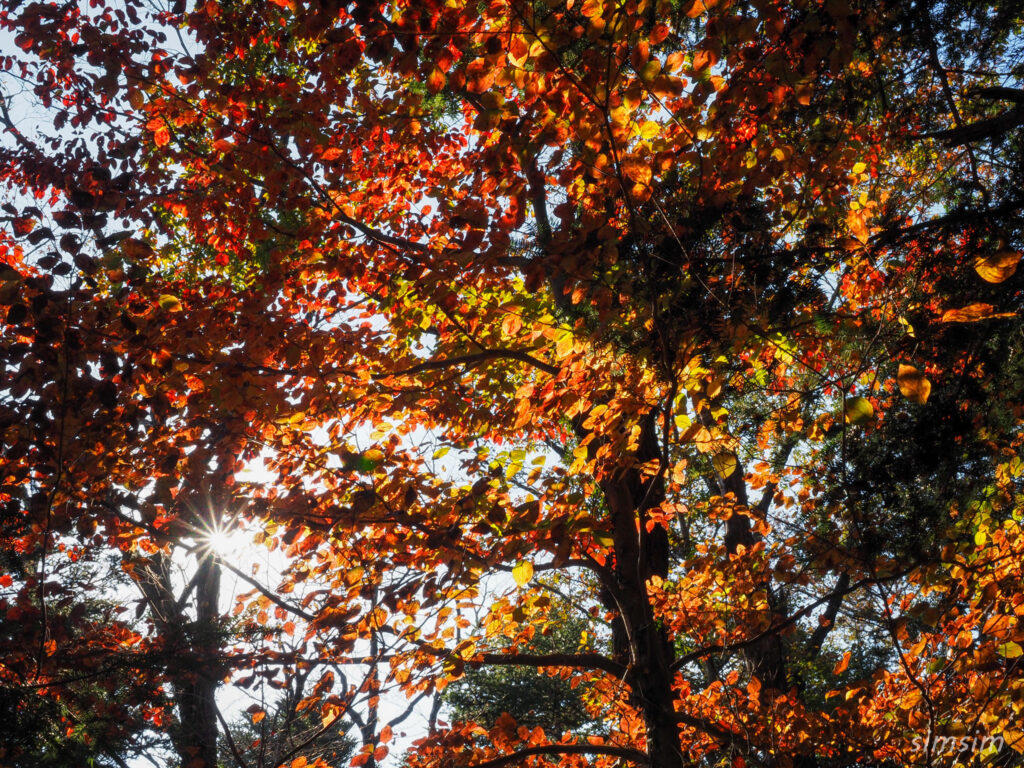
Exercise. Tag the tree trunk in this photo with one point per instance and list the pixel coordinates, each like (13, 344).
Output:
(196, 739)
(642, 644)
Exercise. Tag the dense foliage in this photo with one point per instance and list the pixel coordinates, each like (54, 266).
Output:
(707, 312)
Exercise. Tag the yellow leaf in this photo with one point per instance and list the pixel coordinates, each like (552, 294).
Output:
(997, 267)
(859, 167)
(169, 303)
(913, 385)
(563, 346)
(1010, 650)
(523, 572)
(714, 388)
(725, 463)
(650, 70)
(859, 411)
(649, 129)
(911, 699)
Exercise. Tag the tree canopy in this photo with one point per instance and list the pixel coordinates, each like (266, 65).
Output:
(705, 313)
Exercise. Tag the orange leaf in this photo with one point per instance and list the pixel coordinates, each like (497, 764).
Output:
(637, 170)
(511, 324)
(972, 313)
(842, 665)
(435, 80)
(479, 75)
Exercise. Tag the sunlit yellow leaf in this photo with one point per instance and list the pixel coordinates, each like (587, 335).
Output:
(1010, 650)
(997, 267)
(649, 129)
(725, 463)
(913, 385)
(523, 572)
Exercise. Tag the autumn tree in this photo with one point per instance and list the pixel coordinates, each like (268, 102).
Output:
(713, 302)
(531, 696)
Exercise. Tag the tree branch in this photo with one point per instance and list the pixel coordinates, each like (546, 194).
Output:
(996, 92)
(230, 739)
(835, 600)
(626, 753)
(979, 130)
(478, 357)
(710, 650)
(583, 660)
(723, 736)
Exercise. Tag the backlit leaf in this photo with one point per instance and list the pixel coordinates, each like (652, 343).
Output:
(725, 463)
(1010, 650)
(522, 572)
(998, 267)
(913, 385)
(169, 303)
(858, 411)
